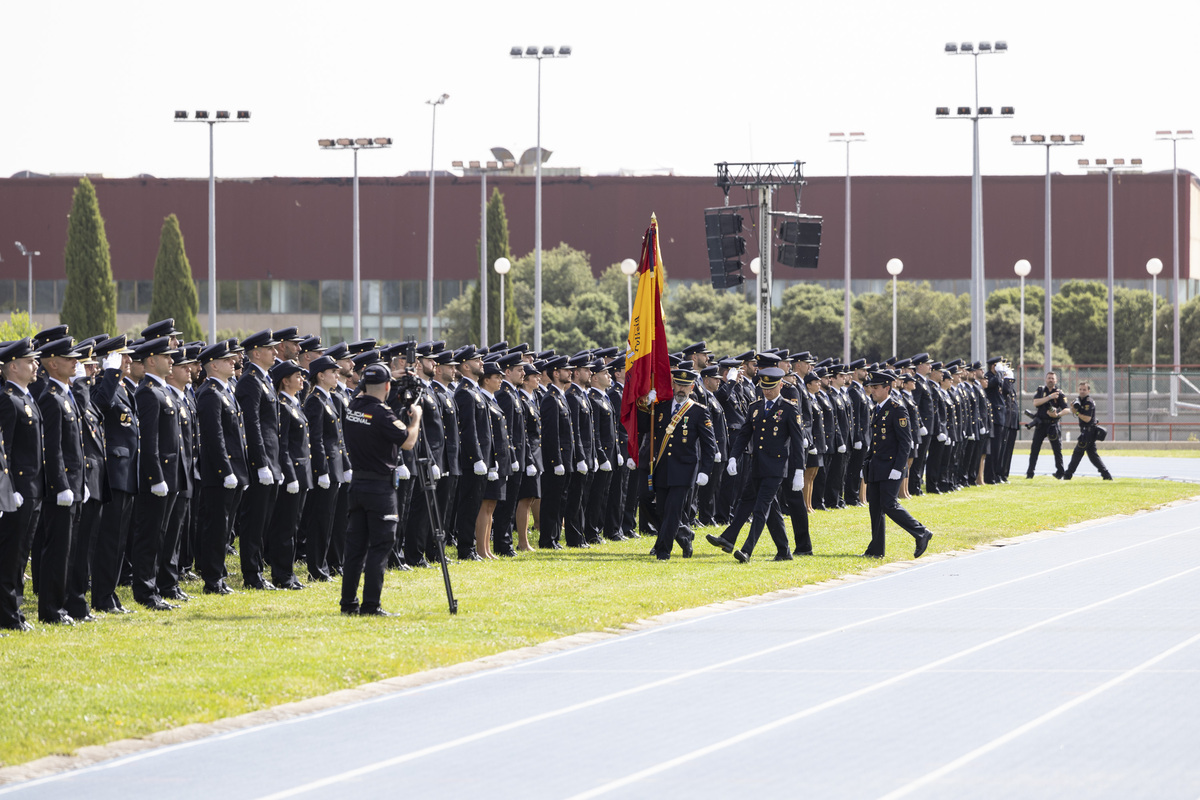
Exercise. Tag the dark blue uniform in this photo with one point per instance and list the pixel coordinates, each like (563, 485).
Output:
(223, 454)
(887, 454)
(558, 450)
(689, 450)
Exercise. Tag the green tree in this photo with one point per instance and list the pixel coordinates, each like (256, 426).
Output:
(923, 317)
(462, 326)
(497, 247)
(697, 312)
(90, 302)
(1166, 345)
(1081, 320)
(614, 283)
(1131, 322)
(18, 326)
(811, 318)
(174, 290)
(566, 274)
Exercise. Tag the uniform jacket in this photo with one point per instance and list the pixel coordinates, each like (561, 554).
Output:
(606, 433)
(326, 447)
(691, 448)
(514, 421)
(583, 427)
(558, 436)
(62, 441)
(891, 441)
(113, 397)
(21, 423)
(474, 426)
(773, 436)
(294, 454)
(158, 413)
(532, 420)
(449, 414)
(502, 455)
(223, 433)
(95, 475)
(260, 418)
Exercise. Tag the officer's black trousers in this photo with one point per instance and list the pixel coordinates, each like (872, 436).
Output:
(597, 506)
(370, 536)
(316, 522)
(793, 504)
(1040, 433)
(920, 463)
(759, 504)
(81, 556)
(835, 479)
(505, 514)
(881, 500)
(1010, 442)
(553, 493)
(217, 509)
(151, 517)
(337, 534)
(281, 534)
(670, 501)
(61, 523)
(445, 493)
(578, 486)
(1087, 444)
(633, 493)
(470, 497)
(614, 512)
(169, 557)
(852, 480)
(109, 549)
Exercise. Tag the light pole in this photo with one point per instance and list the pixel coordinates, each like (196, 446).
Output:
(221, 116)
(356, 145)
(894, 267)
(538, 53)
(29, 254)
(437, 101)
(502, 266)
(1048, 142)
(1022, 268)
(847, 139)
(1154, 266)
(978, 319)
(1176, 298)
(1104, 165)
(629, 266)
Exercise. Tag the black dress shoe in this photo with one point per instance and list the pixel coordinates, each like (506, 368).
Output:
(506, 553)
(293, 584)
(188, 575)
(157, 605)
(350, 612)
(869, 554)
(784, 556)
(177, 594)
(802, 552)
(632, 535)
(717, 541)
(376, 612)
(922, 543)
(686, 546)
(470, 557)
(60, 619)
(114, 610)
(1106, 477)
(1059, 474)
(743, 558)
(263, 586)
(229, 551)
(217, 588)
(88, 617)
(403, 567)
(660, 556)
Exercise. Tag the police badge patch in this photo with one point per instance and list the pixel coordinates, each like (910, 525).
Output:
(904, 422)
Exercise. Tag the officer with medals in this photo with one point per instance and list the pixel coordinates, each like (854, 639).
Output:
(773, 432)
(883, 468)
(374, 437)
(683, 452)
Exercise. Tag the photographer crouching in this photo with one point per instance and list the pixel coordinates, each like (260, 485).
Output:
(1084, 410)
(1050, 405)
(374, 436)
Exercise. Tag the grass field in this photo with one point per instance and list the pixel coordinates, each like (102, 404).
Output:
(216, 657)
(1068, 447)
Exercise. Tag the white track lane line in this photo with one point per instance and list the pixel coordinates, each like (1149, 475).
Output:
(1000, 741)
(520, 723)
(811, 710)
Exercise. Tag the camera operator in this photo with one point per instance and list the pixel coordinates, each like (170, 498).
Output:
(374, 437)
(1084, 410)
(1050, 405)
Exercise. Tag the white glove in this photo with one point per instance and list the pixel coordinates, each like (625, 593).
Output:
(606, 467)
(80, 372)
(732, 375)
(970, 437)
(493, 475)
(437, 473)
(265, 477)
(620, 460)
(924, 431)
(230, 481)
(985, 432)
(841, 448)
(20, 500)
(895, 475)
(858, 445)
(402, 472)
(812, 451)
(629, 462)
(112, 361)
(87, 493)
(719, 459)
(323, 481)
(158, 490)
(531, 471)
(516, 467)
(349, 475)
(731, 469)
(560, 470)
(798, 480)
(702, 479)
(942, 437)
(652, 396)
(480, 468)
(581, 467)
(293, 487)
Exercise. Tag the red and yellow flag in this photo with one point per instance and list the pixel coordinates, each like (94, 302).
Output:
(646, 364)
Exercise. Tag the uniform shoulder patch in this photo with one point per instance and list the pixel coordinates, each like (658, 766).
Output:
(903, 422)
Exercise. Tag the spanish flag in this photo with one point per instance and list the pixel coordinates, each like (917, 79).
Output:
(646, 364)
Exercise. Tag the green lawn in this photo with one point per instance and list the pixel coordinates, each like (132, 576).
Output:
(1068, 447)
(216, 657)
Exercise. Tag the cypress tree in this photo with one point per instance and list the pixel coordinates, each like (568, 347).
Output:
(174, 290)
(90, 302)
(497, 247)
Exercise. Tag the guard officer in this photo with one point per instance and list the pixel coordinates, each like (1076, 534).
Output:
(883, 468)
(1050, 405)
(1084, 410)
(21, 424)
(260, 417)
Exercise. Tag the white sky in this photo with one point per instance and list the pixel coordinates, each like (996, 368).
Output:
(92, 86)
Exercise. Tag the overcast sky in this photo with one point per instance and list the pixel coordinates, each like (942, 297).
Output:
(92, 86)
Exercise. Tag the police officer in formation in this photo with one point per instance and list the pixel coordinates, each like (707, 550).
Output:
(145, 462)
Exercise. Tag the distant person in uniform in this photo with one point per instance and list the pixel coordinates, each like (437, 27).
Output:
(1050, 405)
(1084, 410)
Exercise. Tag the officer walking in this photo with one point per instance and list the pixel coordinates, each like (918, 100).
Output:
(883, 468)
(1051, 406)
(1084, 410)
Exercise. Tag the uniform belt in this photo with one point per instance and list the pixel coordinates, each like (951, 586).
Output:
(365, 475)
